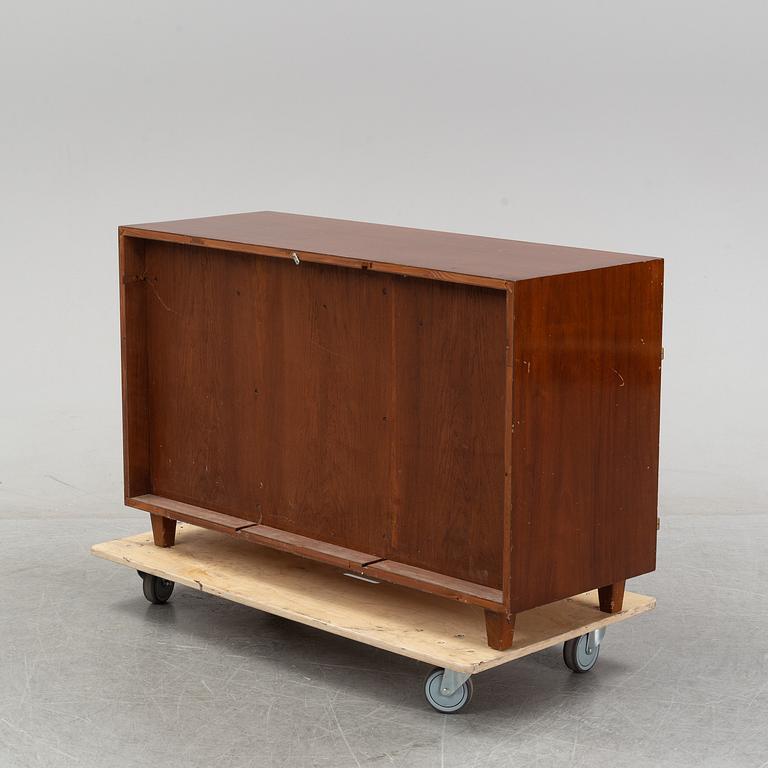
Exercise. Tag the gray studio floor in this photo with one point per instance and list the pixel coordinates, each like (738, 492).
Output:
(92, 675)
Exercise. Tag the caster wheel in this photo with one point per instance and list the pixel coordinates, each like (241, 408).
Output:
(454, 702)
(156, 590)
(578, 657)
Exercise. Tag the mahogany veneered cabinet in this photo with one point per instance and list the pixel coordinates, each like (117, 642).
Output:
(469, 416)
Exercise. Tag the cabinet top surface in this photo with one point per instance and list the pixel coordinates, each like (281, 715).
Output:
(417, 249)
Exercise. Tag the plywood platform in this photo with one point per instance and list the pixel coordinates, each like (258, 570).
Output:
(414, 624)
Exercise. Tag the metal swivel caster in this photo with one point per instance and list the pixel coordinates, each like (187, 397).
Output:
(580, 654)
(448, 691)
(156, 589)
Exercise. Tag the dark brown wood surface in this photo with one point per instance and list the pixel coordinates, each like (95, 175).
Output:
(499, 630)
(269, 393)
(187, 513)
(316, 549)
(611, 597)
(133, 337)
(437, 583)
(435, 254)
(161, 508)
(587, 360)
(471, 417)
(448, 443)
(163, 530)
(337, 405)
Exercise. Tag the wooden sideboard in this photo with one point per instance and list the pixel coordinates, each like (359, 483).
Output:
(468, 416)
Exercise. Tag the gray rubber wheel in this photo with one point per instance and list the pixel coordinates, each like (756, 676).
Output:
(576, 656)
(446, 704)
(157, 590)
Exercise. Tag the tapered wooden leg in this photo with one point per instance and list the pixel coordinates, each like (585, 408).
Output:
(499, 629)
(163, 530)
(611, 597)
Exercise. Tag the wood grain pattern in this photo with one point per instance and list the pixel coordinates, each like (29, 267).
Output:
(440, 632)
(449, 430)
(163, 531)
(509, 427)
(189, 513)
(436, 583)
(472, 417)
(165, 512)
(499, 630)
(133, 346)
(587, 356)
(611, 597)
(303, 546)
(269, 392)
(272, 401)
(308, 257)
(424, 253)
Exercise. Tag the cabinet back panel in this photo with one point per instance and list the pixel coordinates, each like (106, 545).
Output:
(448, 490)
(354, 407)
(268, 391)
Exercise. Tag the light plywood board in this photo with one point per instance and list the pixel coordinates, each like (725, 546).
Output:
(397, 619)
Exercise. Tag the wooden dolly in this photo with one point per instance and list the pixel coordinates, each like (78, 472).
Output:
(435, 630)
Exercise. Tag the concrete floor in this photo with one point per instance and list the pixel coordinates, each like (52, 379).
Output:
(92, 675)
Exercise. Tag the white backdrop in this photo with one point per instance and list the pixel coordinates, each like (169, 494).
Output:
(639, 127)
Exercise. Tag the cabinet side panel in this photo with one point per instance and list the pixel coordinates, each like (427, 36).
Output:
(448, 447)
(586, 363)
(509, 425)
(133, 345)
